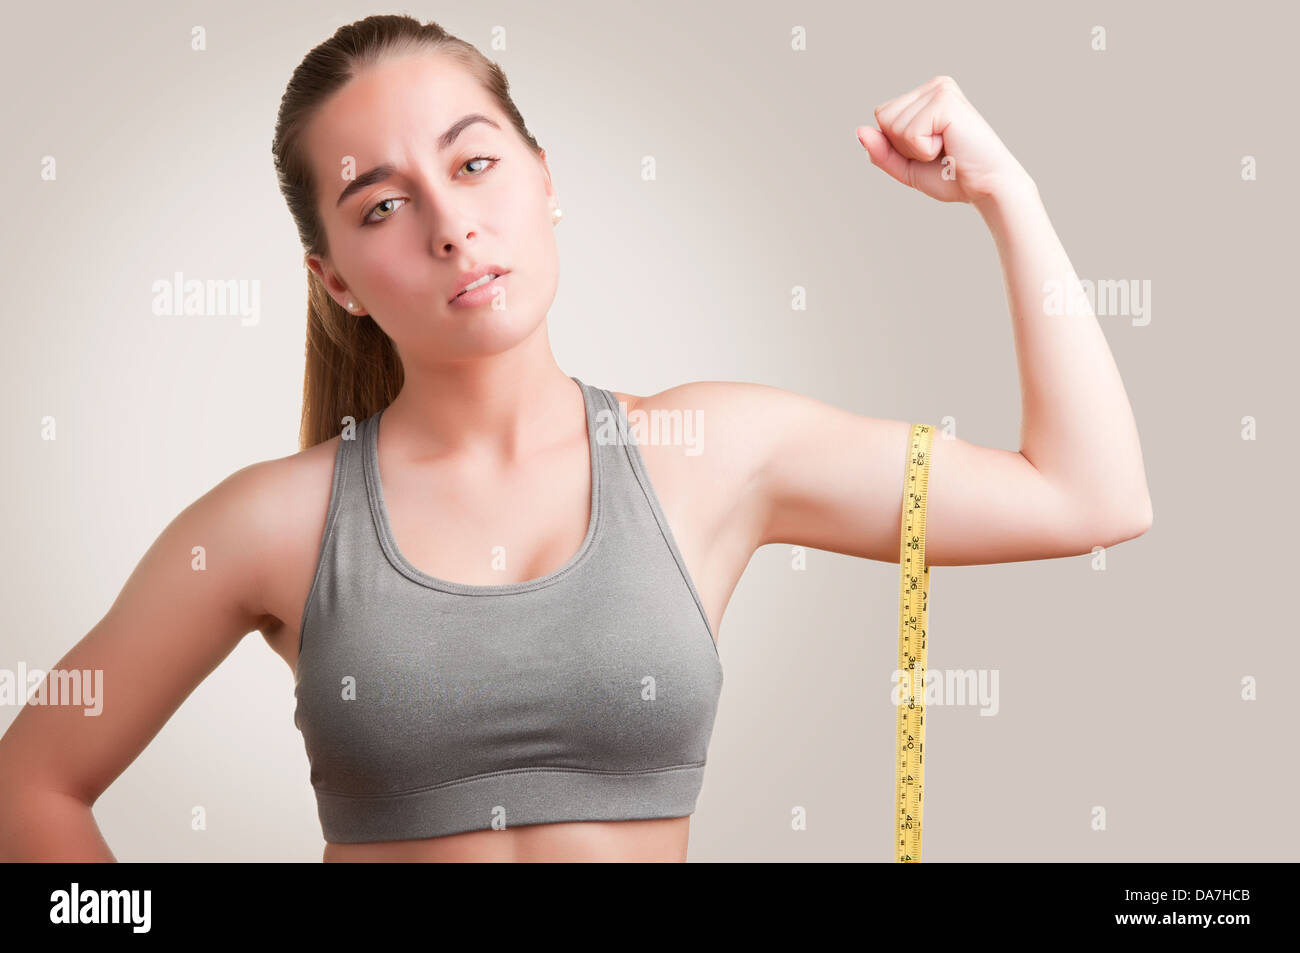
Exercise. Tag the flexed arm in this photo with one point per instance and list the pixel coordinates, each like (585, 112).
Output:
(1077, 428)
(800, 471)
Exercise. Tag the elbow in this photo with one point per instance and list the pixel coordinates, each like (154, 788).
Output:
(1132, 524)
(1144, 519)
(1108, 525)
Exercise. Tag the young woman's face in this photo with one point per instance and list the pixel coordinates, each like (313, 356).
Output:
(399, 244)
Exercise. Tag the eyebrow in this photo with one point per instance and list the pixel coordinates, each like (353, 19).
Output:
(381, 172)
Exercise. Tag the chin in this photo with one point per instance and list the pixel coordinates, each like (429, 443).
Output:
(484, 331)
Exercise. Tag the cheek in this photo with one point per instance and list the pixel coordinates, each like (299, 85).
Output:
(523, 222)
(389, 262)
(387, 278)
(510, 218)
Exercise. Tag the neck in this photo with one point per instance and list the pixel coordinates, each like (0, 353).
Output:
(503, 406)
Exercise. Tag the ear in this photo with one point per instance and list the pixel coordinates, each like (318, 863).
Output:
(330, 279)
(552, 199)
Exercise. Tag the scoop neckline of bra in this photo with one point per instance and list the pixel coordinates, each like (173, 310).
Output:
(388, 542)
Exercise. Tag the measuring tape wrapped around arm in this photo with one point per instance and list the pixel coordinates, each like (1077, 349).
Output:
(913, 597)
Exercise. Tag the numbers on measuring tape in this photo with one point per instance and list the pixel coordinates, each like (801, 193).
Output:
(913, 606)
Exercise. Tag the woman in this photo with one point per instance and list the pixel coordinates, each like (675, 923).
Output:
(493, 600)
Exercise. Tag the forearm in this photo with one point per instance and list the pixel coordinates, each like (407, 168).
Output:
(45, 826)
(1077, 428)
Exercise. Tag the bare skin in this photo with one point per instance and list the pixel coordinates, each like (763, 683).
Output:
(492, 446)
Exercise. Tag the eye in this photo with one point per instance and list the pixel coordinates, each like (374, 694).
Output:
(388, 201)
(375, 221)
(493, 159)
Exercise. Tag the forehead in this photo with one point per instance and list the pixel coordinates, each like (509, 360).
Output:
(392, 106)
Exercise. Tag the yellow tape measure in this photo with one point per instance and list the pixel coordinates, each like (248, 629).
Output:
(913, 596)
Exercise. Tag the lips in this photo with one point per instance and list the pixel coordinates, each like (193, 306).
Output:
(468, 278)
(478, 283)
(481, 294)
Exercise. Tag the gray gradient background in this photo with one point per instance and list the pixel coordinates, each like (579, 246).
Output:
(1118, 688)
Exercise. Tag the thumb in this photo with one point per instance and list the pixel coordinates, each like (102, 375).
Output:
(874, 142)
(883, 154)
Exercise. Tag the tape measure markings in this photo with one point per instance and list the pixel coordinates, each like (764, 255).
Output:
(913, 612)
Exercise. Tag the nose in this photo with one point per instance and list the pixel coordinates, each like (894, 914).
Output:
(451, 229)
(448, 243)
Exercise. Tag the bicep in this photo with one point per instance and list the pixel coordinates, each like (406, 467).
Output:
(833, 480)
(192, 597)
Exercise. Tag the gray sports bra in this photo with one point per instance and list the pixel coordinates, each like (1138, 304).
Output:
(430, 707)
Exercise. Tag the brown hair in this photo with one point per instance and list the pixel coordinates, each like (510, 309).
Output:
(352, 366)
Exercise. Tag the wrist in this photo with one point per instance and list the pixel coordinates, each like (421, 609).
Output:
(1013, 191)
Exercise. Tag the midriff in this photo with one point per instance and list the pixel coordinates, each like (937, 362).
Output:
(657, 840)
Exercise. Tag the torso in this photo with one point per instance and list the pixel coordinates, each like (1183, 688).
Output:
(547, 518)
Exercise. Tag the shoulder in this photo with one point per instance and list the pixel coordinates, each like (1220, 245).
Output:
(276, 510)
(740, 400)
(738, 415)
(272, 491)
(722, 430)
(707, 446)
(747, 439)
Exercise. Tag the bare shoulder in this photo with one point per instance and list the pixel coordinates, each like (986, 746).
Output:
(282, 507)
(702, 445)
(736, 399)
(720, 423)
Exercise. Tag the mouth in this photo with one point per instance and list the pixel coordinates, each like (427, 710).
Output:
(480, 291)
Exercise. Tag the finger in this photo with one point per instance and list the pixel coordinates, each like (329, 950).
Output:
(884, 155)
(923, 134)
(913, 148)
(900, 121)
(886, 113)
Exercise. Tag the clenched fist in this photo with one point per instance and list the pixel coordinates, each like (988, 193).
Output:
(933, 140)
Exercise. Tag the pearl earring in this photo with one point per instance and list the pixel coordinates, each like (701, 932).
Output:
(352, 306)
(556, 214)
